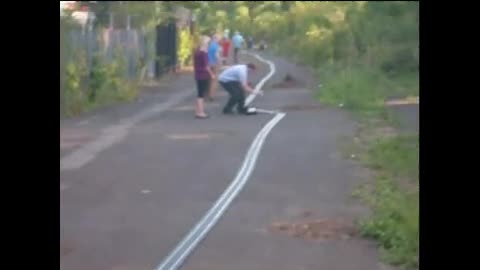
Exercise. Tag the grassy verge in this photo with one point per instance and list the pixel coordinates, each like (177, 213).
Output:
(394, 198)
(393, 158)
(356, 89)
(78, 101)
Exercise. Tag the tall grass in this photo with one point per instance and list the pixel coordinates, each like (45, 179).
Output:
(358, 89)
(394, 222)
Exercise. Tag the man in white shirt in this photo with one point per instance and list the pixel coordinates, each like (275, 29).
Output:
(234, 81)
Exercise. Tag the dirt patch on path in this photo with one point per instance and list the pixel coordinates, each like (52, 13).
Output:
(289, 81)
(318, 229)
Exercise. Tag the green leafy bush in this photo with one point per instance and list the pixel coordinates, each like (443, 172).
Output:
(104, 84)
(185, 48)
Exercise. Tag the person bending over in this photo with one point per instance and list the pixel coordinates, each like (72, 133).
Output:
(235, 81)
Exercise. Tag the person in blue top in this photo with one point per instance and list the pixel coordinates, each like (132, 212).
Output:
(237, 41)
(213, 61)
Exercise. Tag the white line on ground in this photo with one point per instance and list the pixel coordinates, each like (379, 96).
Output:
(266, 111)
(114, 134)
(260, 84)
(185, 247)
(84, 122)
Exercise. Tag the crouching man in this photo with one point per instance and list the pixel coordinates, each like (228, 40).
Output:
(235, 81)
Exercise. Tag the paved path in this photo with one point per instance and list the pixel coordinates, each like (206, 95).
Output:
(407, 117)
(136, 198)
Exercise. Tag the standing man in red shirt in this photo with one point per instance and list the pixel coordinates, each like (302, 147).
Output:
(225, 43)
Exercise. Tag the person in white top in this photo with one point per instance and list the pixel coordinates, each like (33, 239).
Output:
(234, 81)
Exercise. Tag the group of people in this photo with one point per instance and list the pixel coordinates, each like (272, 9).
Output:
(212, 55)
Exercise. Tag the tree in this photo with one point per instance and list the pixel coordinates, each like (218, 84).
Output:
(252, 6)
(286, 7)
(143, 13)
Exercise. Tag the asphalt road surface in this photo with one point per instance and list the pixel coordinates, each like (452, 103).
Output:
(135, 180)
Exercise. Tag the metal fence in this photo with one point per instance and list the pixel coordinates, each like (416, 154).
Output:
(166, 47)
(144, 54)
(105, 42)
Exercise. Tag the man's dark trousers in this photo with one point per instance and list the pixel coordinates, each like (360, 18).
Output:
(237, 97)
